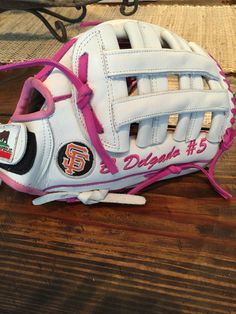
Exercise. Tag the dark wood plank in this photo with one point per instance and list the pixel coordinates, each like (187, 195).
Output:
(177, 254)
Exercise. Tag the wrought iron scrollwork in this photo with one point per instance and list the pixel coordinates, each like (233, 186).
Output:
(58, 30)
(128, 7)
(59, 25)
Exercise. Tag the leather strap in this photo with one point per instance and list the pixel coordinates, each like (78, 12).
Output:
(130, 62)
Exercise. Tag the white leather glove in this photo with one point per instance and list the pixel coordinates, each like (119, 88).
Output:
(70, 136)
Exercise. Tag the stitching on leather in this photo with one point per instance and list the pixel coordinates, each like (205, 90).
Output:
(50, 144)
(46, 131)
(157, 120)
(140, 28)
(186, 71)
(223, 126)
(165, 119)
(183, 135)
(151, 82)
(45, 128)
(165, 113)
(168, 92)
(154, 88)
(227, 114)
(194, 116)
(155, 124)
(192, 125)
(164, 50)
(110, 99)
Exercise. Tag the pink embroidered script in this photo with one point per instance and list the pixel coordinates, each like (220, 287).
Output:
(151, 160)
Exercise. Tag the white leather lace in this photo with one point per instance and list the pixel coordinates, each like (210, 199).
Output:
(92, 197)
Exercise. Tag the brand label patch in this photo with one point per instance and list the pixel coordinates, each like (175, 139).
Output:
(5, 149)
(75, 159)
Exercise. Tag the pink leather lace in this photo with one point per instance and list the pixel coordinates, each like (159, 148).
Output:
(177, 170)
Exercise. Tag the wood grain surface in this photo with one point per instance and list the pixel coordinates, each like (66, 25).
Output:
(176, 254)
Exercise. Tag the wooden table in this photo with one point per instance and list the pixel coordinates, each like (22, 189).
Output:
(177, 254)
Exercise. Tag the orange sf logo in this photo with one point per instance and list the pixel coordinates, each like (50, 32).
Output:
(77, 157)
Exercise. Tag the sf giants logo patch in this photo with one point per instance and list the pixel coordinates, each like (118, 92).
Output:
(75, 159)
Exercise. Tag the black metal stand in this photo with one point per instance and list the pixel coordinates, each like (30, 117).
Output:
(59, 25)
(59, 31)
(128, 7)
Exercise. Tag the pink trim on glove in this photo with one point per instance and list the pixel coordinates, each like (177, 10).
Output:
(230, 133)
(20, 187)
(21, 108)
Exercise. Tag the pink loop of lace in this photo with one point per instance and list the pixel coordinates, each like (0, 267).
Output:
(84, 96)
(84, 106)
(210, 176)
(177, 170)
(83, 74)
(83, 68)
(156, 177)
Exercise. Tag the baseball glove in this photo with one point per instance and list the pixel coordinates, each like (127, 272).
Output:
(121, 106)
